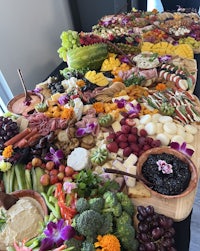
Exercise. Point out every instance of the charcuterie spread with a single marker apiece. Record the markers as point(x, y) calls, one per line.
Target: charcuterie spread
point(127, 88)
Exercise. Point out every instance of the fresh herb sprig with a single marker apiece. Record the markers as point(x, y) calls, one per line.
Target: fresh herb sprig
point(90, 184)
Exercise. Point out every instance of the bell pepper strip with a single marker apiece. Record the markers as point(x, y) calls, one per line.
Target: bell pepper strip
point(67, 212)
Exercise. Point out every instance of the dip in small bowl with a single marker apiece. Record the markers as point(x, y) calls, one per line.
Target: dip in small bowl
point(23, 219)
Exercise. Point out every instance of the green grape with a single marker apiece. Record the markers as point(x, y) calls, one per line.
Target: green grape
point(69, 40)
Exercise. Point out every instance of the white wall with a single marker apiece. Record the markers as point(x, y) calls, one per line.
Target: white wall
point(29, 39)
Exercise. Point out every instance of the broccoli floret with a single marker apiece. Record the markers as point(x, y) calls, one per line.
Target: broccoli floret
point(75, 244)
point(82, 205)
point(126, 235)
point(124, 218)
point(88, 223)
point(88, 246)
point(110, 199)
point(116, 210)
point(107, 226)
point(125, 201)
point(96, 204)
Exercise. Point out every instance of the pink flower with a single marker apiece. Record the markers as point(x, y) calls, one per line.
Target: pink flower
point(69, 186)
point(164, 167)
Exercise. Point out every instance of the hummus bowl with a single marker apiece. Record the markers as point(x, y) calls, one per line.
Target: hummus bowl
point(23, 219)
point(34, 195)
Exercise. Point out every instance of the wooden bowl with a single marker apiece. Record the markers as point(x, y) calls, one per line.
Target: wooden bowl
point(35, 195)
point(17, 105)
point(159, 150)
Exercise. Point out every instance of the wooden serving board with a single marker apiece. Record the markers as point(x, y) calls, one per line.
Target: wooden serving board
point(176, 208)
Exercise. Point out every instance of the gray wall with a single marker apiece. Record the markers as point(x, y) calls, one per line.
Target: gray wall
point(29, 39)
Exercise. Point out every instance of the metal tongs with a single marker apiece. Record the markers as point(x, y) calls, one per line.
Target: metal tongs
point(27, 95)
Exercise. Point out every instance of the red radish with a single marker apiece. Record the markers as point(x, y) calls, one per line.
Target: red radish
point(61, 168)
point(36, 162)
point(112, 147)
point(45, 179)
point(132, 138)
point(61, 176)
point(122, 138)
point(127, 151)
point(53, 172)
point(53, 179)
point(69, 171)
point(126, 129)
point(50, 165)
point(123, 145)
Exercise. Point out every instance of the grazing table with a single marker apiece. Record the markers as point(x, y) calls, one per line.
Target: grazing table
point(184, 208)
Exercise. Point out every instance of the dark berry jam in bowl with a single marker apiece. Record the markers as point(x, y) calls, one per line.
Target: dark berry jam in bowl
point(172, 173)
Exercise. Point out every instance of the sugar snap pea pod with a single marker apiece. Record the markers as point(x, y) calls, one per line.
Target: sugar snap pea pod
point(54, 208)
point(51, 190)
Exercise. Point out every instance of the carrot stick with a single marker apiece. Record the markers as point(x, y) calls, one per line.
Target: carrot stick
point(17, 137)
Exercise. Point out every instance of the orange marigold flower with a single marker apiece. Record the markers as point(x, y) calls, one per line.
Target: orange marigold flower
point(99, 107)
point(67, 113)
point(8, 151)
point(108, 242)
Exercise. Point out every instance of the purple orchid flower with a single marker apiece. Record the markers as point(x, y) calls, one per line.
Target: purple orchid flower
point(55, 156)
point(63, 100)
point(182, 148)
point(164, 167)
point(85, 130)
point(125, 20)
point(37, 90)
point(165, 58)
point(133, 109)
point(56, 233)
point(120, 102)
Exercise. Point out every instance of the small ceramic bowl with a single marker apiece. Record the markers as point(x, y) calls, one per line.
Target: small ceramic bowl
point(35, 195)
point(18, 106)
point(159, 150)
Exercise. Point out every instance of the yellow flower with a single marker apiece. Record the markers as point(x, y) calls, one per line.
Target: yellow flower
point(7, 152)
point(108, 242)
point(5, 166)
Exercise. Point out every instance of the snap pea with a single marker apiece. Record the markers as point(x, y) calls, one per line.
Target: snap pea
point(53, 207)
